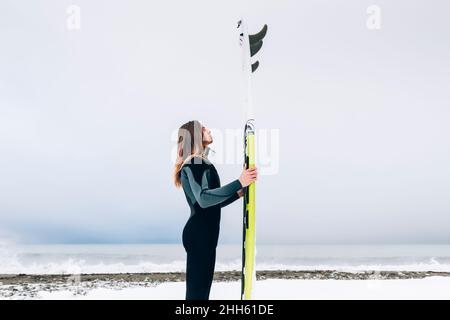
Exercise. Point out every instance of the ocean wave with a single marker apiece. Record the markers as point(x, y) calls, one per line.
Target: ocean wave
point(147, 260)
point(72, 266)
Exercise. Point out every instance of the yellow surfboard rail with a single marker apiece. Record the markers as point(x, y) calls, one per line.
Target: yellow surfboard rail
point(249, 224)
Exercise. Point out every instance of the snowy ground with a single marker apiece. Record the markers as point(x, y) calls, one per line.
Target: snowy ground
point(428, 288)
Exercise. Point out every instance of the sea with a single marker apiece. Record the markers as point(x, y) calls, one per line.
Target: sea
point(144, 258)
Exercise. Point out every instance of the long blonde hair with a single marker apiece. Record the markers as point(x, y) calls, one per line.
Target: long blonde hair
point(190, 144)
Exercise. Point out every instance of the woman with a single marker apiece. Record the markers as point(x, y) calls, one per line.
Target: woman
point(205, 197)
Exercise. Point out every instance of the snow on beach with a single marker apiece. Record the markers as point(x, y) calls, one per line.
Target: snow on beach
point(428, 288)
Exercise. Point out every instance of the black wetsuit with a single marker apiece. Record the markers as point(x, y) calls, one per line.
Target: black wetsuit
point(201, 185)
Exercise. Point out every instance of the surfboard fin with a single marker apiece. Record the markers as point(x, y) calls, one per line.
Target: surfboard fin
point(255, 66)
point(253, 38)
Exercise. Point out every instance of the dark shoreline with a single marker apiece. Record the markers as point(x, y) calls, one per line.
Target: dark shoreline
point(221, 276)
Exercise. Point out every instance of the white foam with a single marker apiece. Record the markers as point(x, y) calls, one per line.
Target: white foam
point(72, 266)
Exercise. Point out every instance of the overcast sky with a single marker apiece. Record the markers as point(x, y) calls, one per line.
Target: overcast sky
point(87, 118)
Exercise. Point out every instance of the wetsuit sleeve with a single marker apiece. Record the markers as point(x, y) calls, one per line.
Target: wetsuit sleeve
point(207, 197)
point(230, 200)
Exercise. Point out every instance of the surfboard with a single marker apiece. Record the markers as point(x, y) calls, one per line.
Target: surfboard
point(250, 45)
